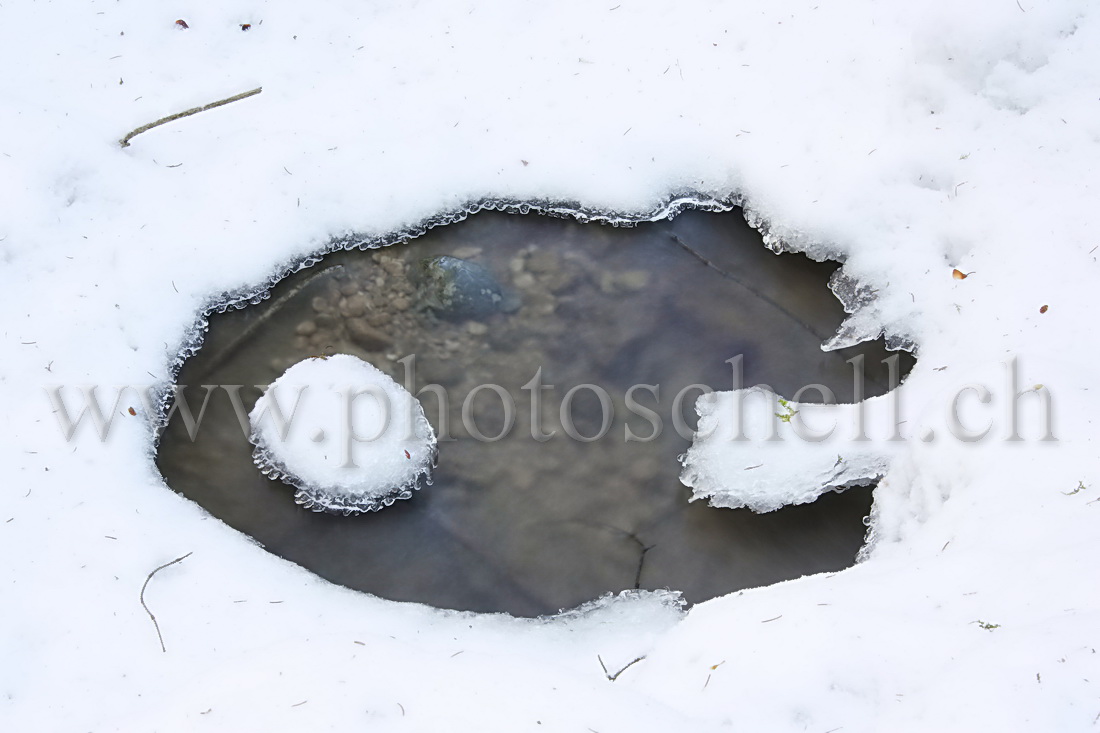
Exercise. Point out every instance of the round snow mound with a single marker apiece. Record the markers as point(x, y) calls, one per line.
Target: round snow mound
point(349, 438)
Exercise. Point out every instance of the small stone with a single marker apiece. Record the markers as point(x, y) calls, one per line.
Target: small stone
point(325, 320)
point(467, 252)
point(457, 289)
point(365, 336)
point(516, 264)
point(349, 288)
point(320, 305)
point(400, 304)
point(477, 328)
point(354, 306)
point(524, 281)
point(542, 262)
point(560, 281)
point(306, 328)
point(624, 282)
point(633, 280)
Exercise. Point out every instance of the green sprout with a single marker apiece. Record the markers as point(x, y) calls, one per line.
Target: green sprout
point(789, 411)
point(1080, 487)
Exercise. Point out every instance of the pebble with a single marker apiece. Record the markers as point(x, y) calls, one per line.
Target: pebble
point(365, 336)
point(306, 328)
point(626, 282)
point(477, 328)
point(466, 253)
point(633, 280)
point(542, 262)
point(354, 306)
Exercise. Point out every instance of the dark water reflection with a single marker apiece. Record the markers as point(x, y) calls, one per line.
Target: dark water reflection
point(518, 525)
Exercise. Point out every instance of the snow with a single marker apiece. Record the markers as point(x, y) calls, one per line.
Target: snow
point(352, 441)
point(906, 140)
point(751, 450)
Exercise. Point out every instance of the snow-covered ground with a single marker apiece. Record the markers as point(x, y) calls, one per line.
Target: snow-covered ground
point(907, 139)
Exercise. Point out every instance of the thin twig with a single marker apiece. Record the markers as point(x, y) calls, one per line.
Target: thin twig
point(125, 142)
point(141, 596)
point(615, 676)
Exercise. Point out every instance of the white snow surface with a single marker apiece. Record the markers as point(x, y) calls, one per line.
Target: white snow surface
point(751, 450)
point(906, 139)
point(344, 433)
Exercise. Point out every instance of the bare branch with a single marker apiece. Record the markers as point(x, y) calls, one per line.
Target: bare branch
point(141, 596)
point(125, 142)
point(613, 677)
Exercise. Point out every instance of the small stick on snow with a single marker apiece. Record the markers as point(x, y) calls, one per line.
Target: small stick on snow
point(613, 677)
point(141, 596)
point(125, 142)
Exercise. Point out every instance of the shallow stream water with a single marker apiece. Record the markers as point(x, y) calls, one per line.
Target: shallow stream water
point(519, 525)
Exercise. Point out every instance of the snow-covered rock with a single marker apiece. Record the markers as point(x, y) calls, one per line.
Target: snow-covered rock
point(342, 432)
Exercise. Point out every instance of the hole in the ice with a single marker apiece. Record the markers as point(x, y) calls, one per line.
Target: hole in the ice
point(519, 525)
